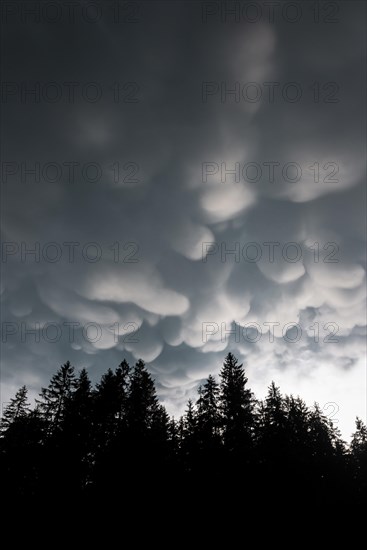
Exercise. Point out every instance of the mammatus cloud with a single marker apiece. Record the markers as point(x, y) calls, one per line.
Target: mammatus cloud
point(218, 222)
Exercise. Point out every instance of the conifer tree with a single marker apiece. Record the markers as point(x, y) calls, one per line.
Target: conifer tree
point(190, 420)
point(93, 443)
point(142, 402)
point(55, 397)
point(208, 425)
point(17, 409)
point(359, 457)
point(236, 403)
point(209, 419)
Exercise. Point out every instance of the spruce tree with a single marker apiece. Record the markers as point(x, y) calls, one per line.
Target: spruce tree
point(209, 419)
point(55, 397)
point(359, 457)
point(207, 431)
point(18, 409)
point(190, 420)
point(236, 404)
point(272, 443)
point(20, 449)
point(142, 401)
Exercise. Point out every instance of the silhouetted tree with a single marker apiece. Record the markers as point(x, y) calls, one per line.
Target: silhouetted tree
point(108, 404)
point(190, 437)
point(18, 409)
point(110, 424)
point(272, 439)
point(142, 403)
point(20, 448)
point(208, 425)
point(359, 439)
point(76, 439)
point(359, 457)
point(53, 400)
point(236, 405)
point(118, 440)
point(208, 412)
point(190, 420)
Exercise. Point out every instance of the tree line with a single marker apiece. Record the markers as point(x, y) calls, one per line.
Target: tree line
point(116, 438)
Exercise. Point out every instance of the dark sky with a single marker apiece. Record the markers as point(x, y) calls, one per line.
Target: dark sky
point(167, 134)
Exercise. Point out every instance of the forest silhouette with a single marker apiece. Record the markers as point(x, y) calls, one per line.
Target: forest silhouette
point(116, 438)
